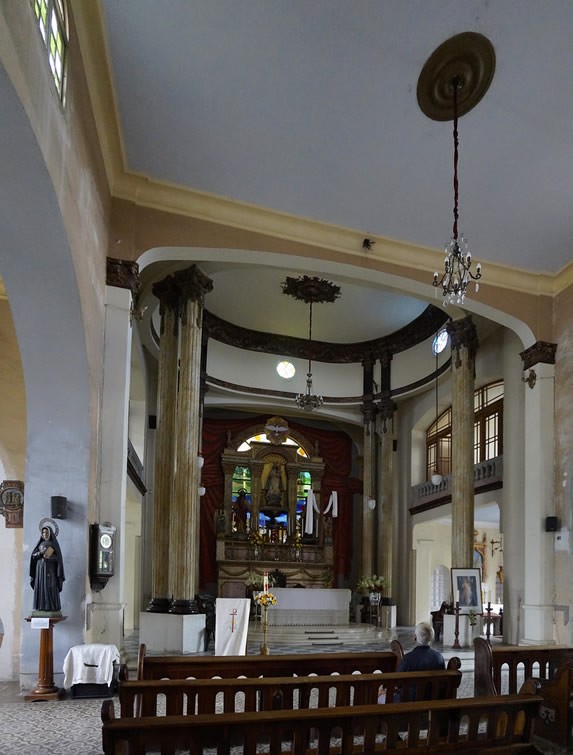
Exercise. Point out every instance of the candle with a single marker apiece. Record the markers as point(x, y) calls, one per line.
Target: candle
point(265, 581)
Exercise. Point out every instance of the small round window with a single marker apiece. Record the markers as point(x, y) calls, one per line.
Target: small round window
point(286, 369)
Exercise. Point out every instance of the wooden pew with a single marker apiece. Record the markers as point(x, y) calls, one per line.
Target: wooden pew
point(198, 696)
point(548, 665)
point(499, 724)
point(233, 666)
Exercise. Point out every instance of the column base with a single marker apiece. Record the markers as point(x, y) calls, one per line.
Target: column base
point(168, 633)
point(183, 607)
point(159, 605)
point(538, 625)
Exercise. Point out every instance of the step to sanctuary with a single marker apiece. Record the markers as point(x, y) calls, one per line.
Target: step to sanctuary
point(349, 634)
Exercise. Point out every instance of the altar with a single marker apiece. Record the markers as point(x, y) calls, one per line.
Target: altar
point(310, 606)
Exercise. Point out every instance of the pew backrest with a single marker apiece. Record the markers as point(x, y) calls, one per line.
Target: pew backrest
point(467, 724)
point(233, 666)
point(198, 696)
point(516, 663)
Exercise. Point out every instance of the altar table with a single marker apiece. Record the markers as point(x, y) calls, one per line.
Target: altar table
point(309, 606)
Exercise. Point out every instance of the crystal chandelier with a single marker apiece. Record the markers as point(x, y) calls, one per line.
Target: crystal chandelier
point(312, 291)
point(457, 263)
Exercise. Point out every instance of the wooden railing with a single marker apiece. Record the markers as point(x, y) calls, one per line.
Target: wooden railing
point(488, 475)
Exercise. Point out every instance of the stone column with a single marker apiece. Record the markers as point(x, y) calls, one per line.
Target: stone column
point(168, 294)
point(464, 342)
point(539, 491)
point(385, 502)
point(184, 522)
point(256, 487)
point(292, 477)
point(368, 472)
point(385, 505)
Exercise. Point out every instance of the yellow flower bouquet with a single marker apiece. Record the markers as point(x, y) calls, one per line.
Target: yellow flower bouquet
point(265, 599)
point(373, 583)
point(255, 537)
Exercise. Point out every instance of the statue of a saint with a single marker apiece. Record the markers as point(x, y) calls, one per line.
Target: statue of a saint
point(47, 572)
point(273, 493)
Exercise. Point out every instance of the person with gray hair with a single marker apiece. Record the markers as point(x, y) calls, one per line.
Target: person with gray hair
point(422, 657)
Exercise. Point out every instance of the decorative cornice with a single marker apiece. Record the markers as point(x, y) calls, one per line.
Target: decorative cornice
point(410, 335)
point(541, 352)
point(122, 274)
point(463, 333)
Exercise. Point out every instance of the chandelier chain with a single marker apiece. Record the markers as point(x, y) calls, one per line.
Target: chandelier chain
point(456, 84)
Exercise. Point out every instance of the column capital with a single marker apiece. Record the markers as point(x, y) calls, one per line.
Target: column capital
point(386, 409)
point(167, 292)
point(541, 352)
point(122, 274)
point(463, 333)
point(193, 284)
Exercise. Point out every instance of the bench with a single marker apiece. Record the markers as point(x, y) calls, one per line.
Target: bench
point(499, 724)
point(548, 665)
point(198, 696)
point(233, 666)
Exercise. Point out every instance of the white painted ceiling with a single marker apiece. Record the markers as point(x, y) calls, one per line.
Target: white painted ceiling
point(310, 108)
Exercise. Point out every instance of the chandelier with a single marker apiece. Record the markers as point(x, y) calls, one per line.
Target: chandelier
point(312, 291)
point(453, 80)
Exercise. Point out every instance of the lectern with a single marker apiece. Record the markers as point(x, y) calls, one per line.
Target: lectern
point(46, 690)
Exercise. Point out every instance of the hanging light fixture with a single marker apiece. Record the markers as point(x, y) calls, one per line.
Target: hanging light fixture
point(458, 260)
point(312, 291)
point(453, 80)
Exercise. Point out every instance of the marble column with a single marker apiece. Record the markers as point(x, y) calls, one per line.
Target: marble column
point(539, 388)
point(368, 473)
point(184, 522)
point(385, 505)
point(385, 498)
point(168, 294)
point(464, 341)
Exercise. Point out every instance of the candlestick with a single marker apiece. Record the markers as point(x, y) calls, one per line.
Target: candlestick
point(265, 581)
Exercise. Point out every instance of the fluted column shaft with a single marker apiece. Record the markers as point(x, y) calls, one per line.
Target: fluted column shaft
point(184, 522)
point(464, 342)
point(168, 296)
point(385, 510)
point(368, 471)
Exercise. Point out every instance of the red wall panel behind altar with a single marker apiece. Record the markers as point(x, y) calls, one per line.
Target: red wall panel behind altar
point(335, 448)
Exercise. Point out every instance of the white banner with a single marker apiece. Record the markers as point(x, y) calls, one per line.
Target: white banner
point(231, 625)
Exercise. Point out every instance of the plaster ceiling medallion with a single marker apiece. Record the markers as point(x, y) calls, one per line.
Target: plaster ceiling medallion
point(469, 57)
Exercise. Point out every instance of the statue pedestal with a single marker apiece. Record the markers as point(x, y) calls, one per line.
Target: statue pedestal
point(46, 690)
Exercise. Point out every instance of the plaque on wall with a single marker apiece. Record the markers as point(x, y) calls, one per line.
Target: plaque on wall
point(12, 503)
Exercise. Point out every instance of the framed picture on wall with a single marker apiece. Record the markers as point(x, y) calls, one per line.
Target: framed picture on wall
point(466, 590)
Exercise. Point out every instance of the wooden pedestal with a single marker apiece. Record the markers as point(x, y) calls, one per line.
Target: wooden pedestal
point(46, 690)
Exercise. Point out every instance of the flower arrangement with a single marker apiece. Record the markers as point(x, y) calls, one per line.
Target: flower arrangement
point(265, 599)
point(255, 537)
point(373, 583)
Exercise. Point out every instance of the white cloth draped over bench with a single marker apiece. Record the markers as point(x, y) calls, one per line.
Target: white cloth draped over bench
point(309, 606)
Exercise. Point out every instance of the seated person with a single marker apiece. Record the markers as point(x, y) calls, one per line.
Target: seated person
point(422, 657)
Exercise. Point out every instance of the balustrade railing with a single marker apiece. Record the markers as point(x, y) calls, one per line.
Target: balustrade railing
point(488, 475)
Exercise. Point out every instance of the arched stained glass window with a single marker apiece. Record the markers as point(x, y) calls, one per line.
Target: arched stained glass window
point(51, 16)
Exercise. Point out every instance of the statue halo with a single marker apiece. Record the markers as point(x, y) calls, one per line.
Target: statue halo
point(54, 524)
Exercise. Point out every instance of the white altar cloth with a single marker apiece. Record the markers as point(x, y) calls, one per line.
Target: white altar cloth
point(311, 606)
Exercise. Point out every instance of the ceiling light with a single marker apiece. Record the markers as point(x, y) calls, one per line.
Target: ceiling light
point(312, 291)
point(453, 80)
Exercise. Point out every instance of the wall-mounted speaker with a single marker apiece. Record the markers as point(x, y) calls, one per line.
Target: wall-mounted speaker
point(551, 524)
point(59, 507)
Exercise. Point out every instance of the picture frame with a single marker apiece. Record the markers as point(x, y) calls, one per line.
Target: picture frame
point(466, 590)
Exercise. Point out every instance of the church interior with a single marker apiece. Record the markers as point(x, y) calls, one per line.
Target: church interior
point(232, 345)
